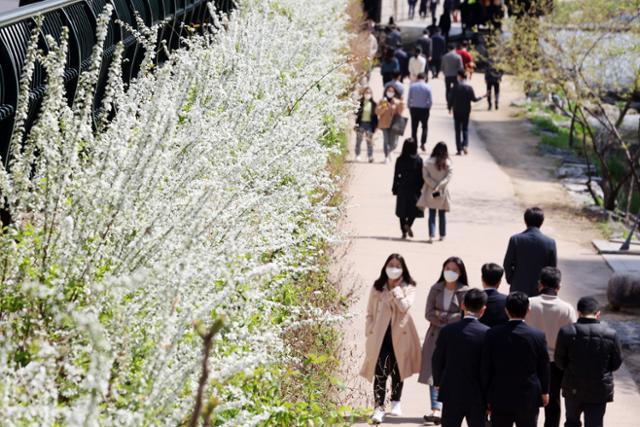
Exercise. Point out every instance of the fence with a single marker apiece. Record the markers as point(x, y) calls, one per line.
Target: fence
point(80, 16)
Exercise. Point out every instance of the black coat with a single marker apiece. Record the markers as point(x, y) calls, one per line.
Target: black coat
point(528, 253)
point(495, 313)
point(456, 363)
point(407, 185)
point(460, 98)
point(588, 352)
point(515, 367)
point(438, 47)
point(374, 117)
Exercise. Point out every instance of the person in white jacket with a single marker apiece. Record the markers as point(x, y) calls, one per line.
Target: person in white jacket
point(417, 64)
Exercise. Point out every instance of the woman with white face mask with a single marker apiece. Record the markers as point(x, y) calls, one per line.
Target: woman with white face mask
point(390, 105)
point(443, 307)
point(392, 343)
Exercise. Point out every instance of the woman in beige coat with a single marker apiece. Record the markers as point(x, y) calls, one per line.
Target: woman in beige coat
point(436, 173)
point(444, 304)
point(392, 343)
point(390, 105)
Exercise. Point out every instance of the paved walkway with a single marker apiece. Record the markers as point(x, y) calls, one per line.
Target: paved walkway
point(484, 214)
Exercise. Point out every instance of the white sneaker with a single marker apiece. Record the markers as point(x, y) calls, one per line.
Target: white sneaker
point(386, 160)
point(358, 158)
point(396, 410)
point(378, 415)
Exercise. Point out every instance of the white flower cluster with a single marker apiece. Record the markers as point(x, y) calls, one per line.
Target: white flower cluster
point(203, 194)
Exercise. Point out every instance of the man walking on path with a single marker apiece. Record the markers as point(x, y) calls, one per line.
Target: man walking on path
point(451, 64)
point(549, 313)
point(528, 253)
point(495, 313)
point(515, 368)
point(420, 101)
point(459, 100)
point(396, 82)
point(417, 64)
point(424, 43)
point(438, 49)
point(588, 352)
point(456, 365)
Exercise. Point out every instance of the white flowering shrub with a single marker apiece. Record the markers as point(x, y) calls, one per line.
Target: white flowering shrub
point(202, 198)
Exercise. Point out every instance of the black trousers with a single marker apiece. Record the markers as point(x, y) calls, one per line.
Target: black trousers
point(406, 223)
point(552, 410)
point(461, 127)
point(496, 90)
point(520, 419)
point(449, 83)
point(387, 365)
point(419, 116)
point(434, 65)
point(593, 413)
point(453, 414)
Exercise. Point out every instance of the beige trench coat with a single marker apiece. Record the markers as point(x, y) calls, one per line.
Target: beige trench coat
point(438, 318)
point(435, 180)
point(392, 306)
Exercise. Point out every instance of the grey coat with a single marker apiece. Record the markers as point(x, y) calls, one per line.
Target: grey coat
point(451, 64)
point(438, 317)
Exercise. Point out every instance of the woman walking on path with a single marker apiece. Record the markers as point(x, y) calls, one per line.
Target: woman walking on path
point(444, 304)
point(389, 107)
point(392, 344)
point(366, 123)
point(437, 172)
point(407, 182)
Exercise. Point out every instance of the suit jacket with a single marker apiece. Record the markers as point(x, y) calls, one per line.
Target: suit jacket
point(456, 362)
point(515, 367)
point(495, 313)
point(460, 98)
point(527, 254)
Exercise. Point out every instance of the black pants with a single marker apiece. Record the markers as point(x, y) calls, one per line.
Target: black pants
point(434, 64)
point(449, 83)
point(406, 223)
point(419, 116)
point(593, 413)
point(521, 419)
point(552, 410)
point(453, 414)
point(387, 365)
point(461, 126)
point(496, 90)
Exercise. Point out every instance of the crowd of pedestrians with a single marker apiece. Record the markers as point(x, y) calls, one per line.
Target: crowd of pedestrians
point(490, 358)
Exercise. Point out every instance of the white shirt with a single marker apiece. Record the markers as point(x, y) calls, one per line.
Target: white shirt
point(417, 66)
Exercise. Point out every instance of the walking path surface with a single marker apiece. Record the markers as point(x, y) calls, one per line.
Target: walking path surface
point(487, 209)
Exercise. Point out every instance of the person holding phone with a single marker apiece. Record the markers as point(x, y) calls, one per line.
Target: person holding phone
point(437, 173)
point(392, 345)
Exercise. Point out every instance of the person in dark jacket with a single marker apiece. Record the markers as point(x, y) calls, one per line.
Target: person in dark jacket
point(456, 365)
point(493, 77)
point(389, 66)
point(407, 184)
point(459, 102)
point(528, 253)
point(366, 123)
point(515, 368)
point(438, 49)
point(588, 352)
point(423, 9)
point(445, 23)
point(495, 313)
point(403, 60)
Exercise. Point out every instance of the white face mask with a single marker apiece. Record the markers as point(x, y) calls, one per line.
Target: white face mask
point(367, 96)
point(450, 276)
point(390, 95)
point(393, 273)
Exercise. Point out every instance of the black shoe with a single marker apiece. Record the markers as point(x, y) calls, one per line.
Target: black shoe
point(496, 105)
point(404, 235)
point(422, 147)
point(410, 232)
point(459, 153)
point(489, 108)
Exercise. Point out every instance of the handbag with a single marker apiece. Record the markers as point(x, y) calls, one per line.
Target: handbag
point(399, 124)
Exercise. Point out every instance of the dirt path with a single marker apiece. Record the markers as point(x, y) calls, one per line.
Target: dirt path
point(489, 196)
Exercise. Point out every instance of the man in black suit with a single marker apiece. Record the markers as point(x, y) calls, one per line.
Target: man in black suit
point(456, 365)
point(528, 253)
point(495, 314)
point(459, 101)
point(515, 368)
